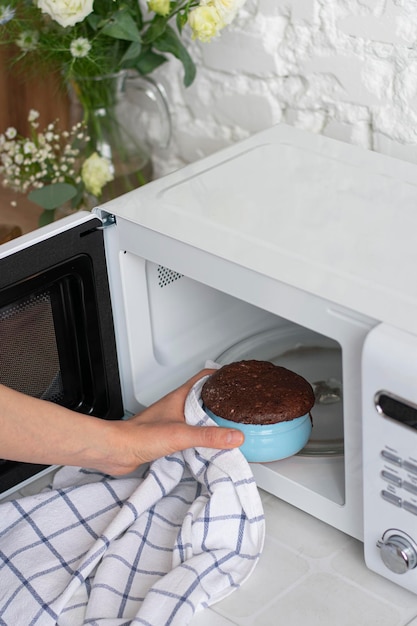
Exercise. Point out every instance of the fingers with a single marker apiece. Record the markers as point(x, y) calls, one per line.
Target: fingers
point(171, 406)
point(142, 443)
point(187, 436)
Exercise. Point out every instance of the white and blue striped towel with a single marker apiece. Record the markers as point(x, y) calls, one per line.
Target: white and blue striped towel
point(152, 548)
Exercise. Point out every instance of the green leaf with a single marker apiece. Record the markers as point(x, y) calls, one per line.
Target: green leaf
point(50, 197)
point(122, 26)
point(157, 28)
point(148, 62)
point(181, 20)
point(79, 195)
point(170, 42)
point(132, 52)
point(47, 217)
point(93, 21)
point(103, 7)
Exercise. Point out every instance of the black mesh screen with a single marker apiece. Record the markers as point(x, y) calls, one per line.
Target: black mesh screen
point(29, 360)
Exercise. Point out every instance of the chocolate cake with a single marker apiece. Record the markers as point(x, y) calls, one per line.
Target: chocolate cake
point(257, 392)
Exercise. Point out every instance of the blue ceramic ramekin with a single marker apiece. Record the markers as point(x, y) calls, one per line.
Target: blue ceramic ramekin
point(270, 442)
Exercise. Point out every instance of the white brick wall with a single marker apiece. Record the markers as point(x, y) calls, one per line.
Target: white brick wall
point(344, 68)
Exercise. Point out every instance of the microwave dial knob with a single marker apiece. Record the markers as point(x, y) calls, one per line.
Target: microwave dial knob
point(398, 553)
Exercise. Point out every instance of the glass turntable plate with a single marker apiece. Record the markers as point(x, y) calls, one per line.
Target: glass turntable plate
point(319, 360)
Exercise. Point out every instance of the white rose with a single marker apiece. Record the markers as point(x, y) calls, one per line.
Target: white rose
point(161, 7)
point(66, 12)
point(96, 172)
point(205, 22)
point(227, 9)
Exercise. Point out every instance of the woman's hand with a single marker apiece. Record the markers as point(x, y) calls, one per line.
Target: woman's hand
point(37, 431)
point(161, 429)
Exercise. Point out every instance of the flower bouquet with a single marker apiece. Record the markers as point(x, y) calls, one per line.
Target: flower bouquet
point(84, 38)
point(100, 48)
point(48, 167)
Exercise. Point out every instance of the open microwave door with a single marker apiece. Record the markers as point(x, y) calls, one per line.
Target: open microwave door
point(56, 325)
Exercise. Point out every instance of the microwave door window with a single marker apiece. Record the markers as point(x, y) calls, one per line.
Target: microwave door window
point(29, 360)
point(51, 344)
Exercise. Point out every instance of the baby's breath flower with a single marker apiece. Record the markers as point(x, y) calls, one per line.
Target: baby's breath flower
point(80, 47)
point(11, 132)
point(33, 115)
point(29, 147)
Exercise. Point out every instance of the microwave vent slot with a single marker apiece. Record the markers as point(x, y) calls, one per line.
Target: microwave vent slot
point(167, 276)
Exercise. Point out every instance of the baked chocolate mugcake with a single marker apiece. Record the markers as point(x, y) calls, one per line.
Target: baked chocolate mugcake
point(257, 392)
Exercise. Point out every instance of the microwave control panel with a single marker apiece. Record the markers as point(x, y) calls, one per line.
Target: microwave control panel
point(389, 418)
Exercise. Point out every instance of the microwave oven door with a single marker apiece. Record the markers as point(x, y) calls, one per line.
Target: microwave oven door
point(56, 325)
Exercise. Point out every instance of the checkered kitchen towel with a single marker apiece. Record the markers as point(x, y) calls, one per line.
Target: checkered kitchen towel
point(151, 548)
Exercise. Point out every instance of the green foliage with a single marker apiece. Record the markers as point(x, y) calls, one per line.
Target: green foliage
point(170, 42)
point(119, 35)
point(52, 196)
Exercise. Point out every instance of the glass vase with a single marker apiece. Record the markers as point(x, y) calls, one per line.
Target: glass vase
point(127, 115)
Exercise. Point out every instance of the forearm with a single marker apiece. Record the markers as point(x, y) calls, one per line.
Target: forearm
point(42, 432)
point(37, 431)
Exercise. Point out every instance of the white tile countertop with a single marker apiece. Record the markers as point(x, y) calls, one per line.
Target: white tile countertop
point(311, 574)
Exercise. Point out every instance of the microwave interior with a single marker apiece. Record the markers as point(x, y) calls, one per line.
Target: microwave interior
point(69, 337)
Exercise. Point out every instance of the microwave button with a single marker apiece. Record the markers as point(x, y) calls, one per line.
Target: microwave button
point(410, 487)
point(392, 458)
point(391, 478)
point(410, 507)
point(410, 467)
point(391, 497)
point(398, 553)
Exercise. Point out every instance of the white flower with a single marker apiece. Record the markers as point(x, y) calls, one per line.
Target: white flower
point(33, 115)
point(29, 147)
point(159, 6)
point(11, 132)
point(227, 9)
point(80, 47)
point(205, 22)
point(28, 40)
point(66, 12)
point(6, 14)
point(6, 160)
point(96, 172)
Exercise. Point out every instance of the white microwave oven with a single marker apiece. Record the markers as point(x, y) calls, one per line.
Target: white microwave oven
point(288, 247)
